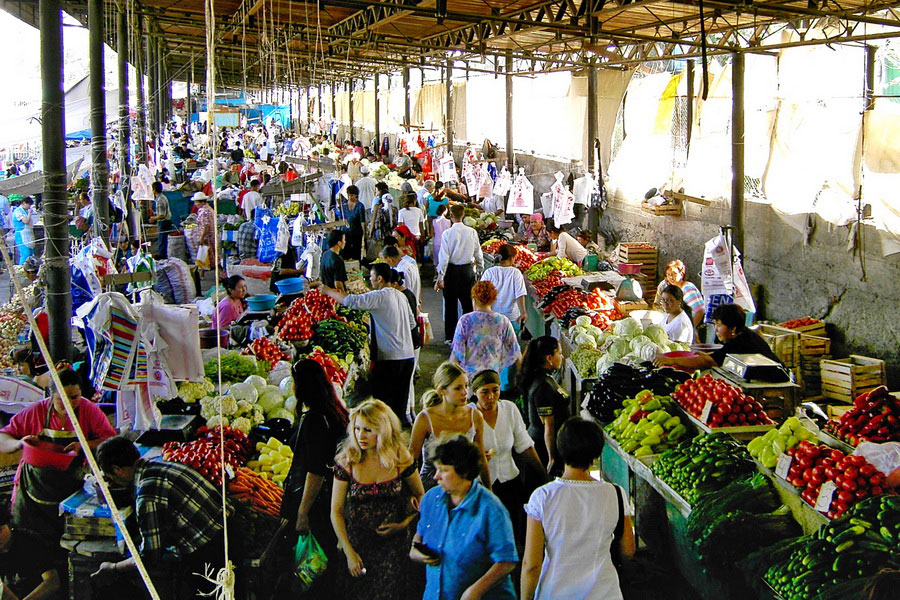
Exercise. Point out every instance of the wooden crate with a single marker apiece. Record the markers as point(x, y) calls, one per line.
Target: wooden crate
point(663, 210)
point(637, 253)
point(846, 378)
point(785, 343)
point(817, 329)
point(811, 373)
point(814, 345)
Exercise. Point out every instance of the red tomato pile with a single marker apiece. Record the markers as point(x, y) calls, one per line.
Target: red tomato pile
point(334, 371)
point(804, 322)
point(597, 300)
point(543, 286)
point(298, 319)
point(564, 301)
point(813, 465)
point(875, 417)
point(493, 246)
point(730, 406)
point(202, 454)
point(525, 258)
point(265, 349)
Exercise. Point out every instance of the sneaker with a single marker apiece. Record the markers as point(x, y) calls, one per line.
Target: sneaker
point(448, 342)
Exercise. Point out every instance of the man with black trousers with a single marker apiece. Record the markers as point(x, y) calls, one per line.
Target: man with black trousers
point(460, 248)
point(393, 353)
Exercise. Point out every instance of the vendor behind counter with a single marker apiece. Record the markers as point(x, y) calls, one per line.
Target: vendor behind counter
point(29, 566)
point(732, 333)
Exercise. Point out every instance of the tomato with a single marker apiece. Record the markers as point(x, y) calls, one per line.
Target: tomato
point(877, 479)
point(805, 461)
point(844, 497)
point(851, 472)
point(861, 494)
point(857, 460)
point(829, 473)
point(875, 490)
point(849, 485)
point(827, 462)
point(867, 470)
point(836, 455)
point(813, 451)
point(807, 474)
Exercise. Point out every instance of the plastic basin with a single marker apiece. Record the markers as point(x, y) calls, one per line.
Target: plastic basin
point(261, 302)
point(46, 454)
point(291, 285)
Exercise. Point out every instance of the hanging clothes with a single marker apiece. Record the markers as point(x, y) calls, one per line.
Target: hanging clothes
point(563, 202)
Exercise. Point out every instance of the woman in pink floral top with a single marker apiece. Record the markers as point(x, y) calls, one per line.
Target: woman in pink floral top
point(484, 339)
point(206, 223)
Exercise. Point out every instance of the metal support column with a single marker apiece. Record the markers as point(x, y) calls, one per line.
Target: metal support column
point(319, 98)
point(124, 125)
point(737, 150)
point(448, 75)
point(99, 164)
point(406, 108)
point(510, 153)
point(690, 103)
point(56, 205)
point(187, 95)
point(593, 122)
point(152, 87)
point(140, 64)
point(377, 114)
point(350, 108)
point(871, 56)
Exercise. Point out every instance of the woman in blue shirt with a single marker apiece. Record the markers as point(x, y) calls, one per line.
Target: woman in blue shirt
point(464, 535)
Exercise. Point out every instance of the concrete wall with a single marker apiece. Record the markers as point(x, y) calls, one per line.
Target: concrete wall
point(822, 280)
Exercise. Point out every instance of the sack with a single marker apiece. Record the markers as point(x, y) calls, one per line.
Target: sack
point(202, 259)
point(310, 561)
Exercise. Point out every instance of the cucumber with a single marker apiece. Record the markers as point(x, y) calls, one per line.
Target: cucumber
point(847, 534)
point(845, 546)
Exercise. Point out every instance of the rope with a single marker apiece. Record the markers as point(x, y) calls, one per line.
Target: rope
point(79, 433)
point(225, 578)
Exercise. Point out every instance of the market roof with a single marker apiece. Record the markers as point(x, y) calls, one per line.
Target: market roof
point(289, 43)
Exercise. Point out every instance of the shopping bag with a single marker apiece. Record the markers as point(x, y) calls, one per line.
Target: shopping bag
point(309, 560)
point(202, 260)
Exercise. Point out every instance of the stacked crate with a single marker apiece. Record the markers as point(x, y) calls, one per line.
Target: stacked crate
point(647, 255)
point(785, 343)
point(846, 378)
point(815, 346)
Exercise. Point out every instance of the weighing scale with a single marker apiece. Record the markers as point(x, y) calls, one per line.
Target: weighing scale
point(753, 367)
point(251, 316)
point(172, 428)
point(630, 290)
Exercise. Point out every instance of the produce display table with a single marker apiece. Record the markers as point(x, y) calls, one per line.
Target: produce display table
point(536, 322)
point(781, 397)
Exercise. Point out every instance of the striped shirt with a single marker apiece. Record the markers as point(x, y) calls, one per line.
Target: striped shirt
point(176, 508)
point(692, 296)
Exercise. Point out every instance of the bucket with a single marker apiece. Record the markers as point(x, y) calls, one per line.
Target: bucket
point(590, 262)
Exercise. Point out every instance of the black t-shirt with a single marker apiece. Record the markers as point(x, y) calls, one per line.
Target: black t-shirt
point(237, 155)
point(746, 342)
point(546, 399)
point(288, 260)
point(26, 559)
point(315, 445)
point(333, 268)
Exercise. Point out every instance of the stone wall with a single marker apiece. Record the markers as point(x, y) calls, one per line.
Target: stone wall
point(821, 280)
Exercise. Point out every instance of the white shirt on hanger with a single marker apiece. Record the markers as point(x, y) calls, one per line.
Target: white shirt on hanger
point(582, 188)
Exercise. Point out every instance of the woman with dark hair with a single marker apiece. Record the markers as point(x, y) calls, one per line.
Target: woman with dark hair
point(510, 284)
point(546, 402)
point(307, 488)
point(677, 323)
point(464, 535)
point(233, 305)
point(732, 333)
point(571, 525)
point(675, 271)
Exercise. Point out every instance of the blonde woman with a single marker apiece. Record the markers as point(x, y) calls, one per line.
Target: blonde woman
point(375, 497)
point(447, 412)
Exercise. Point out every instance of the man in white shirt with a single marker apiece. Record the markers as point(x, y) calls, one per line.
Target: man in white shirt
point(413, 217)
point(565, 246)
point(460, 248)
point(251, 200)
point(392, 349)
point(366, 185)
point(406, 265)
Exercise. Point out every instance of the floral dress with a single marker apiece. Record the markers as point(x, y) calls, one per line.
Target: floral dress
point(485, 340)
point(386, 559)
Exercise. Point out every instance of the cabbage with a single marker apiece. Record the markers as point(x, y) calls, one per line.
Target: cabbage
point(604, 363)
point(583, 320)
point(471, 222)
point(618, 349)
point(256, 381)
point(657, 334)
point(584, 339)
point(282, 413)
point(286, 387)
point(638, 341)
point(648, 351)
point(274, 389)
point(627, 328)
point(269, 401)
point(290, 403)
point(244, 391)
point(244, 408)
point(281, 370)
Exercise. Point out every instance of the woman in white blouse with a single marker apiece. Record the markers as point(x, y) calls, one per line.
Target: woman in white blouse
point(505, 433)
point(572, 524)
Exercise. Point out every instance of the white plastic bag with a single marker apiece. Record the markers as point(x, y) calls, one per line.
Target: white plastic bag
point(884, 457)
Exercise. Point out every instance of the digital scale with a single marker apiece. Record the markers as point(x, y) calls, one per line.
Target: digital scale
point(251, 316)
point(172, 428)
point(753, 367)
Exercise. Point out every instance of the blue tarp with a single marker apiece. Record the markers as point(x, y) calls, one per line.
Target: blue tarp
point(281, 113)
point(84, 134)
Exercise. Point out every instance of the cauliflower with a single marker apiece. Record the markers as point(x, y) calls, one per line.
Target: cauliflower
point(257, 418)
point(210, 406)
point(190, 391)
point(244, 408)
point(216, 421)
point(242, 424)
